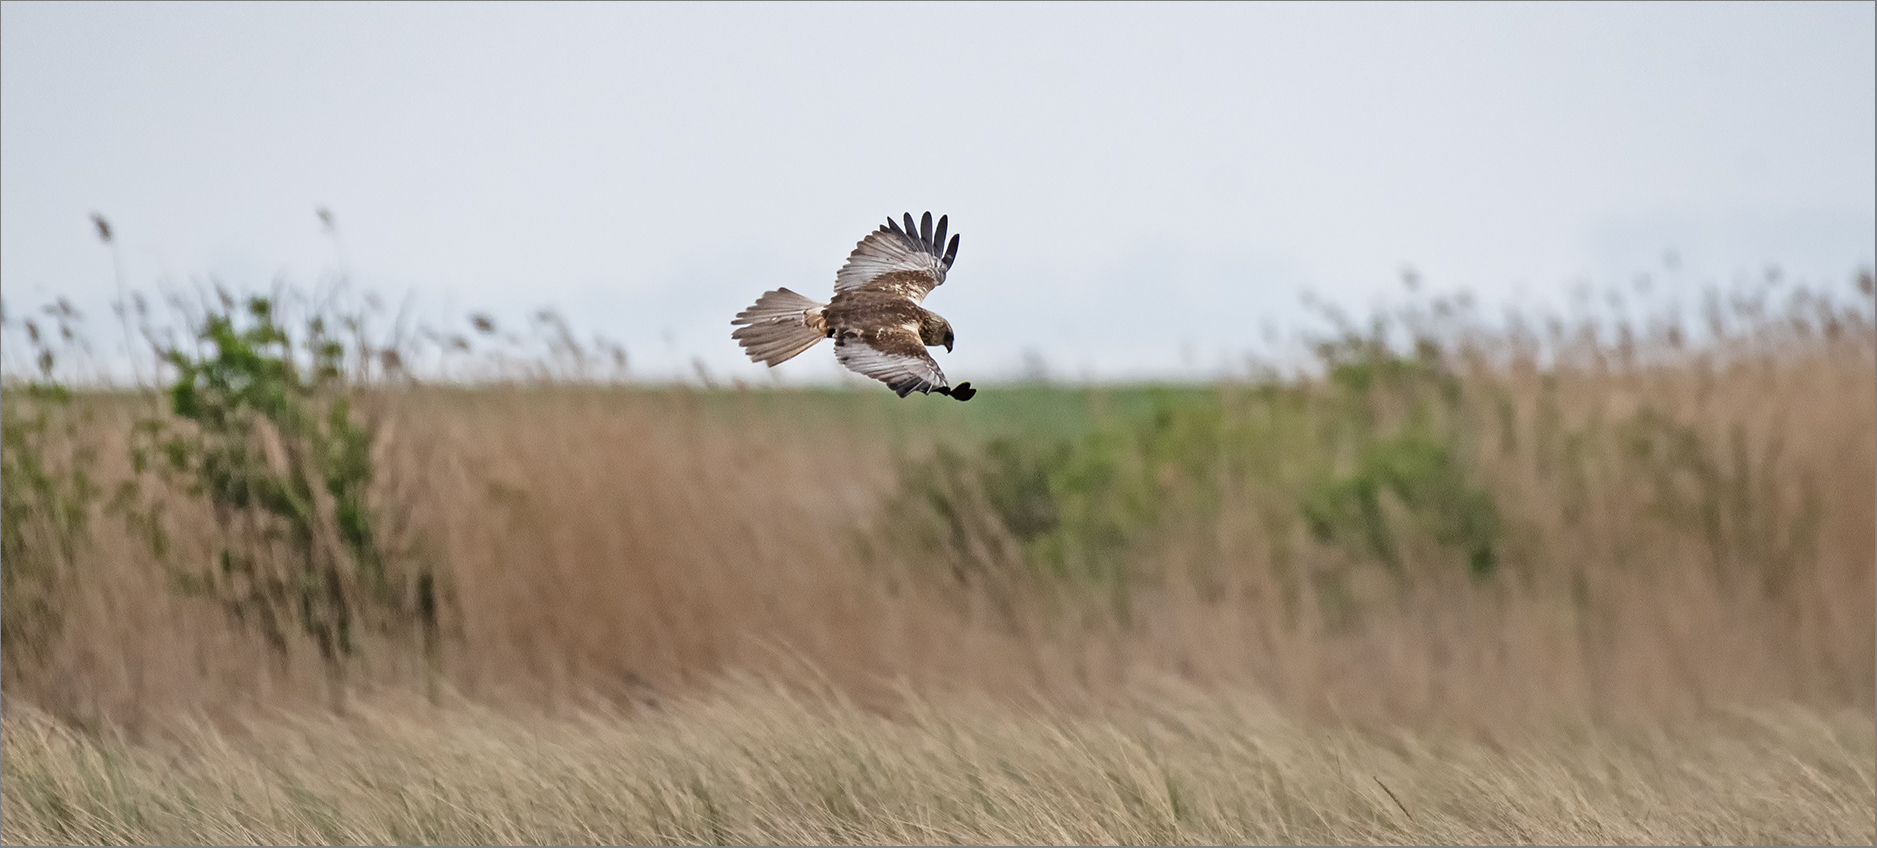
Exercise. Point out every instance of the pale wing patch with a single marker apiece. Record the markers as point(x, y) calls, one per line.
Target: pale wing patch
point(904, 373)
point(920, 249)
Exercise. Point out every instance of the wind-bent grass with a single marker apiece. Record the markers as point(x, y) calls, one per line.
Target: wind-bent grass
point(754, 767)
point(1477, 590)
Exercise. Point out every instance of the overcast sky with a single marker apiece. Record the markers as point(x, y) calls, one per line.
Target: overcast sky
point(1140, 188)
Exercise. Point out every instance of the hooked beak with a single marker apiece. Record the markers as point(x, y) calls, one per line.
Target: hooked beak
point(948, 347)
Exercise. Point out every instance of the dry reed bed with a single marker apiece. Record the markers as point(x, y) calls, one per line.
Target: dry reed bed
point(759, 766)
point(626, 544)
point(637, 545)
point(1668, 652)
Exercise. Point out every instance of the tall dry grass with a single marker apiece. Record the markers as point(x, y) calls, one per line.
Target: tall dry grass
point(1607, 582)
point(629, 545)
point(752, 765)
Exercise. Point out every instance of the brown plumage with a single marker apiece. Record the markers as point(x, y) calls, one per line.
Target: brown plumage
point(879, 327)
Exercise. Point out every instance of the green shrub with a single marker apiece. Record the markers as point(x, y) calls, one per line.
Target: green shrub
point(1377, 450)
point(266, 432)
point(1399, 429)
point(47, 491)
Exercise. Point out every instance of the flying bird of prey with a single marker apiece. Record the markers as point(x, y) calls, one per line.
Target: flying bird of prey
point(877, 322)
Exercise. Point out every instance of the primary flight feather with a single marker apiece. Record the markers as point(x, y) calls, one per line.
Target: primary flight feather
point(876, 318)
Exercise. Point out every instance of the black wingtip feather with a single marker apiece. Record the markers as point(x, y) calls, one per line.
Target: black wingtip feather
point(924, 235)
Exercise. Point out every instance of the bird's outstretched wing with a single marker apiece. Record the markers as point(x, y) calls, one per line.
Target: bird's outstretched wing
point(892, 355)
point(911, 261)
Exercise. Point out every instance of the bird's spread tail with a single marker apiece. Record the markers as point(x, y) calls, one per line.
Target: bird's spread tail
point(779, 325)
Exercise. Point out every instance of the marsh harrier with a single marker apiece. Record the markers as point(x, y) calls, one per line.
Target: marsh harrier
point(877, 322)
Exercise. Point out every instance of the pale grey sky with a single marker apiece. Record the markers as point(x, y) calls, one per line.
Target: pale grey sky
point(1139, 187)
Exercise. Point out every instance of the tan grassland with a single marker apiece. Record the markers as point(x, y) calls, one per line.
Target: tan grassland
point(680, 616)
point(756, 766)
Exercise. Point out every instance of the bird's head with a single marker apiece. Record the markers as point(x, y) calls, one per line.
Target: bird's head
point(935, 330)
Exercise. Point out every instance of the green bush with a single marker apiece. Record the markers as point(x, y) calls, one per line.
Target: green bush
point(47, 491)
point(1375, 451)
point(266, 431)
point(1399, 429)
